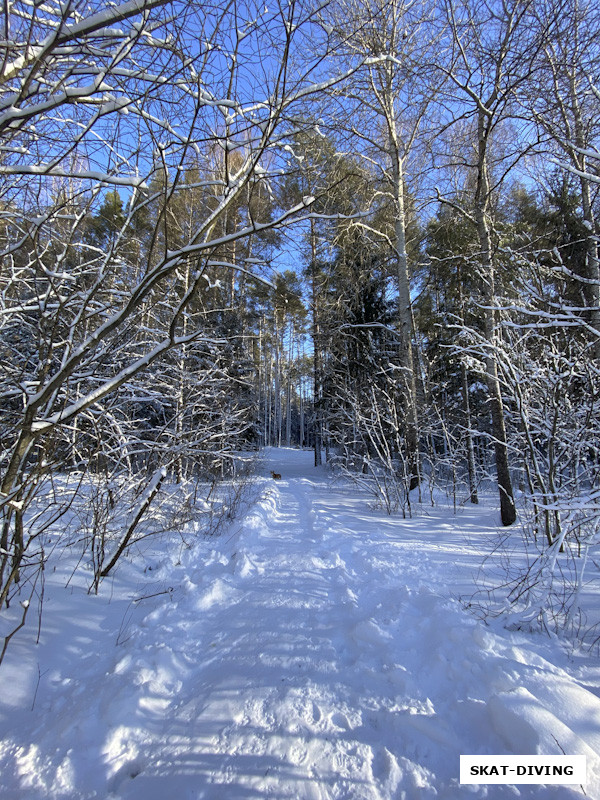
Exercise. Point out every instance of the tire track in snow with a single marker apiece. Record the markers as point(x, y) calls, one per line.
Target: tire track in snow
point(303, 658)
point(262, 712)
point(321, 676)
point(334, 714)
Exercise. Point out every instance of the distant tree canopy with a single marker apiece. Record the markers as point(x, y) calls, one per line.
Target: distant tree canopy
point(367, 228)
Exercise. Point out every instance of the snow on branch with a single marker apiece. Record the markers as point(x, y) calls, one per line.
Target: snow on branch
point(48, 170)
point(96, 24)
point(110, 385)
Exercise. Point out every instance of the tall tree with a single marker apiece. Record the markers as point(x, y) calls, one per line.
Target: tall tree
point(444, 306)
point(567, 111)
point(389, 98)
point(491, 52)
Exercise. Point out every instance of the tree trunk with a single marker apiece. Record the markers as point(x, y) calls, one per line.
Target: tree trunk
point(408, 386)
point(508, 512)
point(469, 436)
point(316, 351)
point(592, 273)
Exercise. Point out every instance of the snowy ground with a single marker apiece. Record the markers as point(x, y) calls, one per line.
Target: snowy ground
point(314, 650)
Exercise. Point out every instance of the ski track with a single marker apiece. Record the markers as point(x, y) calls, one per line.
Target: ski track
point(300, 661)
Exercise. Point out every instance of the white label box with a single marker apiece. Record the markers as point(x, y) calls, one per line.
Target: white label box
point(522, 769)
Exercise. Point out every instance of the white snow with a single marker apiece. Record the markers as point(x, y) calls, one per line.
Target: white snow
point(313, 651)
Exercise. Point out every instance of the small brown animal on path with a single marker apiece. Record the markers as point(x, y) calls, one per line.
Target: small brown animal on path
point(276, 476)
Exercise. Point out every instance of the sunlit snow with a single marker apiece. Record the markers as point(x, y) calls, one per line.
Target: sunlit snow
point(316, 649)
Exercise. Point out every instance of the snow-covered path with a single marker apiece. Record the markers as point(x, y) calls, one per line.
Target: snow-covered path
point(313, 652)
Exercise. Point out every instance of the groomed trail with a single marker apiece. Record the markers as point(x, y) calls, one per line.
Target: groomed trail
point(313, 652)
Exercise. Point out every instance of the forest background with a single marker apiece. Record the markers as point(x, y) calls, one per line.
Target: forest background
point(369, 228)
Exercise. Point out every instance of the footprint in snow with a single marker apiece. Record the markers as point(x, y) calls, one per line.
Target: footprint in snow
point(316, 713)
point(128, 771)
point(385, 769)
point(340, 720)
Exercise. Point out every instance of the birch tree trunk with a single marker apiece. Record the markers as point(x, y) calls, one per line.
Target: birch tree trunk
point(408, 386)
point(392, 105)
